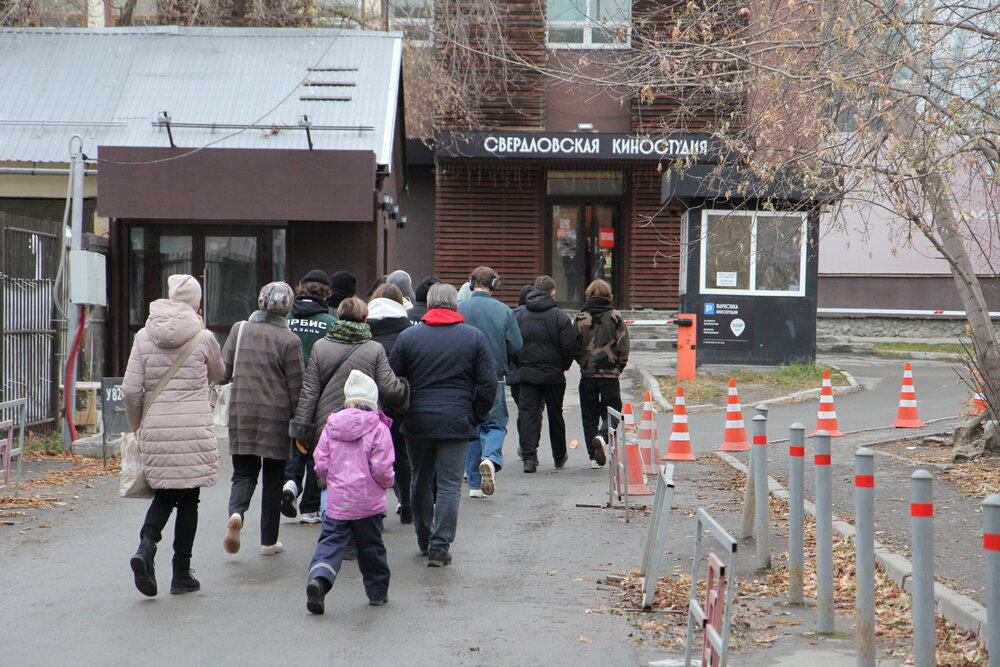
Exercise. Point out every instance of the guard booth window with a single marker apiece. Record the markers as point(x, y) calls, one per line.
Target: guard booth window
point(753, 252)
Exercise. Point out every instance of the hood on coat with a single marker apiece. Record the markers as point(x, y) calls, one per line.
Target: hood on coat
point(522, 296)
point(420, 294)
point(307, 306)
point(352, 424)
point(436, 316)
point(597, 305)
point(382, 308)
point(172, 323)
point(538, 301)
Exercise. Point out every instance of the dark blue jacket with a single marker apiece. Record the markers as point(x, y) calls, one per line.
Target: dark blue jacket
point(452, 378)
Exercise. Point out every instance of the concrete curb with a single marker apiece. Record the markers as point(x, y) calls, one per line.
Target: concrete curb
point(954, 607)
point(650, 384)
point(932, 356)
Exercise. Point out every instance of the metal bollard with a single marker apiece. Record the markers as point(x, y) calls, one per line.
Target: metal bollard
point(824, 533)
point(991, 557)
point(762, 524)
point(796, 511)
point(864, 554)
point(922, 582)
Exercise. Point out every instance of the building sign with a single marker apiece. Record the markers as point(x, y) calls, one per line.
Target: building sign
point(726, 324)
point(575, 145)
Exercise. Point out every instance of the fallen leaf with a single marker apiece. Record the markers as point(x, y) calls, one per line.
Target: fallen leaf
point(586, 640)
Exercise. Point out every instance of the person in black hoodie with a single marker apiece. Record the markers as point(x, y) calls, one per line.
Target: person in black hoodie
point(420, 298)
point(387, 319)
point(550, 344)
point(343, 284)
point(309, 320)
point(513, 378)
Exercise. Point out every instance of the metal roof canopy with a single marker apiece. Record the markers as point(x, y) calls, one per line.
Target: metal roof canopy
point(110, 86)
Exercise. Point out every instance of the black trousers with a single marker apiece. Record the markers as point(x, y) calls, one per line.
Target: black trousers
point(401, 466)
point(185, 525)
point(532, 398)
point(299, 466)
point(596, 396)
point(246, 469)
point(372, 560)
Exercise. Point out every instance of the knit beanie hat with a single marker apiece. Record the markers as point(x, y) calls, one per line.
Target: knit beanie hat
point(184, 288)
point(343, 284)
point(401, 279)
point(360, 388)
point(276, 298)
point(425, 284)
point(316, 276)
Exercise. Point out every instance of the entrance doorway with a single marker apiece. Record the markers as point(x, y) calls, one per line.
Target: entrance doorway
point(231, 263)
point(583, 238)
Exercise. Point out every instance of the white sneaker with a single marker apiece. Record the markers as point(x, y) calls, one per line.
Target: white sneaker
point(288, 494)
point(600, 449)
point(231, 542)
point(476, 493)
point(594, 465)
point(271, 549)
point(311, 517)
point(488, 471)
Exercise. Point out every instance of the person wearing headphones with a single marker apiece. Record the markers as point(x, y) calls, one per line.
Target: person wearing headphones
point(498, 324)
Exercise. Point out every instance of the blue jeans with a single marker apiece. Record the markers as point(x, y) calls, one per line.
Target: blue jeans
point(489, 444)
point(435, 518)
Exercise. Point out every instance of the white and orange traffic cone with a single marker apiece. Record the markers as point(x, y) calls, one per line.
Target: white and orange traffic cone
point(635, 476)
point(735, 438)
point(630, 432)
point(978, 397)
point(679, 447)
point(647, 436)
point(826, 418)
point(907, 416)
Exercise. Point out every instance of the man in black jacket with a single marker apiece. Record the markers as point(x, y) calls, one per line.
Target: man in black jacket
point(550, 344)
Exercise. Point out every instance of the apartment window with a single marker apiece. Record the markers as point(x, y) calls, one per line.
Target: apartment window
point(588, 24)
point(753, 252)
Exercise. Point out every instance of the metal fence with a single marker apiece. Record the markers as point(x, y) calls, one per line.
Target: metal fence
point(29, 336)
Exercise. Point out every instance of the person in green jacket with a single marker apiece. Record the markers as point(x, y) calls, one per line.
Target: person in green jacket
point(309, 320)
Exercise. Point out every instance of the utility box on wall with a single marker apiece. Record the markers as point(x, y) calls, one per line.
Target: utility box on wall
point(87, 278)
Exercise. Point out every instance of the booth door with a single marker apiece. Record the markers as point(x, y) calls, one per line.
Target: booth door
point(583, 237)
point(231, 265)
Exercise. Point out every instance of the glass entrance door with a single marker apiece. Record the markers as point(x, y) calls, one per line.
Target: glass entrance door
point(231, 264)
point(583, 240)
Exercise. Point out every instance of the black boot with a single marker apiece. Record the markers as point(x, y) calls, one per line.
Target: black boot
point(142, 567)
point(183, 582)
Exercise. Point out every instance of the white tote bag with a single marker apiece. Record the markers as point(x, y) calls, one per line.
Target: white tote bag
point(220, 416)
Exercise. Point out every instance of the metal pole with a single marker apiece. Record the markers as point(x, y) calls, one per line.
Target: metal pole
point(864, 554)
point(991, 558)
point(76, 243)
point(796, 511)
point(922, 582)
point(824, 533)
point(762, 523)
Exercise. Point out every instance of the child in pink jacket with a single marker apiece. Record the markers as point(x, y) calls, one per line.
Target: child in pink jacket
point(354, 456)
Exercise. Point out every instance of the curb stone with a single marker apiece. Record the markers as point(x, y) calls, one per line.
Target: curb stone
point(954, 607)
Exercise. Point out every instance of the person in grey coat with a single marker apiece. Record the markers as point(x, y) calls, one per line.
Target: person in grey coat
point(267, 379)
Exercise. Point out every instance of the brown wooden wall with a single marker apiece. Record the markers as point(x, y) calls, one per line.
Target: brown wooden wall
point(508, 95)
point(653, 255)
point(493, 215)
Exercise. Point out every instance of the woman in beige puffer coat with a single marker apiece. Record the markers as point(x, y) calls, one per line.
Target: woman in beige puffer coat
point(179, 451)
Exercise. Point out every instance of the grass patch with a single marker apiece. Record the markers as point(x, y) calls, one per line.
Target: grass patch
point(754, 386)
point(955, 348)
point(49, 445)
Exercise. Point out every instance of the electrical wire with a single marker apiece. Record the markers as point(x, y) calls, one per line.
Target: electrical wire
point(239, 131)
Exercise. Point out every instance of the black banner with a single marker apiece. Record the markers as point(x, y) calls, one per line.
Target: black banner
point(574, 145)
point(726, 322)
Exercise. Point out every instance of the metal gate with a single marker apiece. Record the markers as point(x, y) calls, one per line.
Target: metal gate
point(29, 260)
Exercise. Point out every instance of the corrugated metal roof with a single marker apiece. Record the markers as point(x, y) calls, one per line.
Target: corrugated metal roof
point(108, 85)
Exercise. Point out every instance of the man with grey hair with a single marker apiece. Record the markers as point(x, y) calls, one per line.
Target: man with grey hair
point(452, 386)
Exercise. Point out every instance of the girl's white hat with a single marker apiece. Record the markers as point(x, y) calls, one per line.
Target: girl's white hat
point(360, 388)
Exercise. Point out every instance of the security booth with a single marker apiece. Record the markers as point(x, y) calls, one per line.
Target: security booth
point(749, 264)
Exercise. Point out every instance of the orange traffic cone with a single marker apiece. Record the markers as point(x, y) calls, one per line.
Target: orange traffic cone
point(826, 418)
point(647, 436)
point(735, 439)
point(978, 397)
point(679, 447)
point(907, 417)
point(635, 477)
point(630, 432)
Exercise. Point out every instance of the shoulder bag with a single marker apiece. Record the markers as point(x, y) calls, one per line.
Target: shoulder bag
point(132, 482)
point(223, 392)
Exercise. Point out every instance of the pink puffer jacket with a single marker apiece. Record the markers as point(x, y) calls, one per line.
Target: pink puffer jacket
point(179, 449)
point(355, 457)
